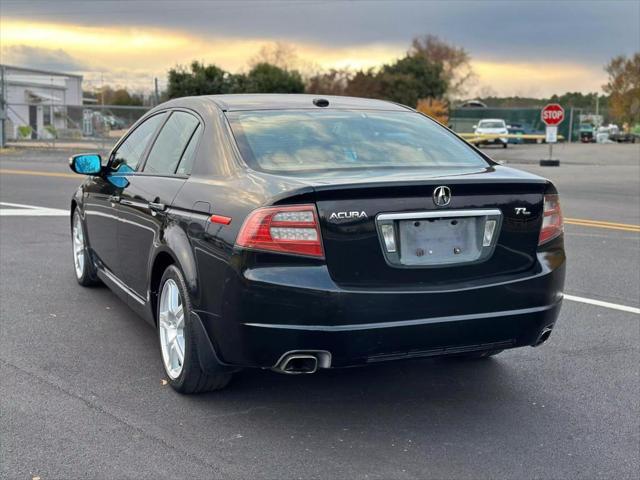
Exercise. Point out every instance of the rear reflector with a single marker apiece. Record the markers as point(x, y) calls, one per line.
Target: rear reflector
point(221, 219)
point(552, 224)
point(287, 229)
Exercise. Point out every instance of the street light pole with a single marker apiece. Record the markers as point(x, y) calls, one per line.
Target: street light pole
point(3, 108)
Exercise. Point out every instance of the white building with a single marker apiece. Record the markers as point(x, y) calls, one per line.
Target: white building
point(40, 103)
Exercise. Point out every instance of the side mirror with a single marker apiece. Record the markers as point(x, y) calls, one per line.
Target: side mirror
point(86, 164)
point(474, 127)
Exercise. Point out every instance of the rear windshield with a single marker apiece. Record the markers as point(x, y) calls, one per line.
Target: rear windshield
point(299, 141)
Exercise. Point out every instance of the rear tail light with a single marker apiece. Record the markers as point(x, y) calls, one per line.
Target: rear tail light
point(286, 229)
point(552, 225)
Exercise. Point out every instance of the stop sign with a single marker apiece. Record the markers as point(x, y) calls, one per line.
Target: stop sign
point(552, 114)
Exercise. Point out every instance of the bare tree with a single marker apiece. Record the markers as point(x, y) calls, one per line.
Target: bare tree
point(280, 54)
point(456, 62)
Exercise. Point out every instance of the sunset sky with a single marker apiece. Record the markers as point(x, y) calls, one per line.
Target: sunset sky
point(518, 47)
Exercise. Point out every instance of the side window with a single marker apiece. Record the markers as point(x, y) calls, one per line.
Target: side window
point(130, 152)
point(170, 143)
point(189, 155)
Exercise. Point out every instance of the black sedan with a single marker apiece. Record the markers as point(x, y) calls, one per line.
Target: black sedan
point(295, 233)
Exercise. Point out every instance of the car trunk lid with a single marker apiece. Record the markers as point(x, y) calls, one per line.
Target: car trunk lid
point(434, 245)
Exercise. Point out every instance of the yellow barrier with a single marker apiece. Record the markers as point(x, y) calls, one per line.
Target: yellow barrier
point(479, 138)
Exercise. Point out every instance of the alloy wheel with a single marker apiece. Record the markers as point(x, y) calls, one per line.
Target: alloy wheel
point(78, 246)
point(171, 325)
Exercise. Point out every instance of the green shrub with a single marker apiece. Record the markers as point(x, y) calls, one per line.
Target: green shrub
point(24, 131)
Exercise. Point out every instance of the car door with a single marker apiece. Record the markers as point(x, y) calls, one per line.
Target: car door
point(148, 195)
point(103, 193)
point(101, 219)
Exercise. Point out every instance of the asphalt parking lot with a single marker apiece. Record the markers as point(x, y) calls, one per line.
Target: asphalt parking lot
point(81, 377)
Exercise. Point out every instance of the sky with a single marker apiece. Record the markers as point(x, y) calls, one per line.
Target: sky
point(525, 48)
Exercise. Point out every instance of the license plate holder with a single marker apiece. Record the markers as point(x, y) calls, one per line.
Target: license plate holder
point(440, 241)
point(439, 238)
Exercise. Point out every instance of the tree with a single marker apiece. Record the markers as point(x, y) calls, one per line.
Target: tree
point(200, 80)
point(280, 54)
point(107, 95)
point(211, 80)
point(436, 109)
point(412, 78)
point(406, 81)
point(456, 62)
point(267, 78)
point(624, 88)
point(333, 82)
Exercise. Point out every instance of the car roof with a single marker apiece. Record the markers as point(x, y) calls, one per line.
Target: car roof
point(492, 120)
point(286, 101)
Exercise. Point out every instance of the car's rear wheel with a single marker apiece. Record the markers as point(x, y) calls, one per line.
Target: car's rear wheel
point(83, 265)
point(178, 338)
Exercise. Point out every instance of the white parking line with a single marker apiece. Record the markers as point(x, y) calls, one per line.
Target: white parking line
point(21, 210)
point(600, 303)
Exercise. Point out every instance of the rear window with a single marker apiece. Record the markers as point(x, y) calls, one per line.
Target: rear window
point(298, 141)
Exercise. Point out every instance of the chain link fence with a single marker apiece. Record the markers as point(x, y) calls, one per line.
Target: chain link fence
point(51, 124)
point(526, 120)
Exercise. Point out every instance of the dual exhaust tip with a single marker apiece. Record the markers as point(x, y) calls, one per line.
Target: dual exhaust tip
point(303, 361)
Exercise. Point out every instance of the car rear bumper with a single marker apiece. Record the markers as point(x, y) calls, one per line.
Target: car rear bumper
point(270, 311)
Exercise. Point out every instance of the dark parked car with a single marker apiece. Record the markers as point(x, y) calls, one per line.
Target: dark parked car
point(294, 233)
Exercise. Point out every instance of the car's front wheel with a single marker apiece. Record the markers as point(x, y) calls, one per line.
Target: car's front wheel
point(179, 338)
point(83, 265)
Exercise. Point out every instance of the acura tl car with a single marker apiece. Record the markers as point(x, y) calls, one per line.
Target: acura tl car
point(295, 233)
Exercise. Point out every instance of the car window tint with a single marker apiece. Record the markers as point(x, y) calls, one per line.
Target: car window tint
point(170, 144)
point(299, 141)
point(186, 162)
point(130, 152)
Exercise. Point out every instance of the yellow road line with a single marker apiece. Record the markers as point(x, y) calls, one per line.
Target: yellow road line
point(601, 222)
point(9, 171)
point(587, 223)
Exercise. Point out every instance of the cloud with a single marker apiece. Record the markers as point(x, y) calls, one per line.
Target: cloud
point(44, 58)
point(589, 31)
point(539, 47)
point(537, 79)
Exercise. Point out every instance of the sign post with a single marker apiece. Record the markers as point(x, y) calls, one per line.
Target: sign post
point(552, 115)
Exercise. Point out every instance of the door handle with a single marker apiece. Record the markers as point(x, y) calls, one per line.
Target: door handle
point(158, 207)
point(114, 198)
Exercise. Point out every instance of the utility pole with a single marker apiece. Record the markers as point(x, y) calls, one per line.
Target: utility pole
point(3, 109)
point(570, 125)
point(155, 81)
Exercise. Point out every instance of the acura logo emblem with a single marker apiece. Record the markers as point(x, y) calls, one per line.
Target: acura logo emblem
point(442, 196)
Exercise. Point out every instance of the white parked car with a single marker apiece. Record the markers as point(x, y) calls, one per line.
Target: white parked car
point(492, 126)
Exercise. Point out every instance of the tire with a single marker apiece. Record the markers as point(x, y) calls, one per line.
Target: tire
point(85, 270)
point(180, 356)
point(504, 145)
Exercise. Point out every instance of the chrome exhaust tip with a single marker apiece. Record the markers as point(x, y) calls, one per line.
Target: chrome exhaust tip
point(544, 336)
point(303, 362)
